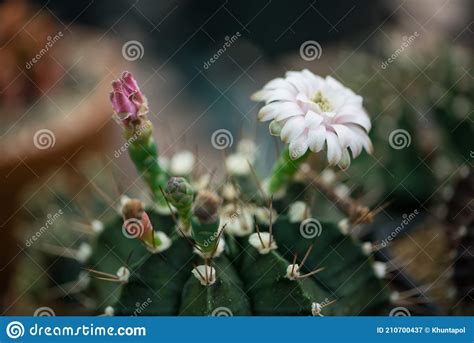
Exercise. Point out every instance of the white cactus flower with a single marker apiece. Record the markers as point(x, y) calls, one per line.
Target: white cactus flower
point(316, 113)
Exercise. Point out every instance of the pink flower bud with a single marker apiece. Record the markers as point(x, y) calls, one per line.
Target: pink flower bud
point(137, 224)
point(127, 99)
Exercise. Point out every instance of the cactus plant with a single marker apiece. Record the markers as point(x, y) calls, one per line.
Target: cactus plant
point(246, 247)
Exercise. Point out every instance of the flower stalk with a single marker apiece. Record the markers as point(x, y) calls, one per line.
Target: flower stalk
point(131, 106)
point(284, 170)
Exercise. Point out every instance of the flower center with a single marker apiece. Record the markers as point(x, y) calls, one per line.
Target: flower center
point(322, 101)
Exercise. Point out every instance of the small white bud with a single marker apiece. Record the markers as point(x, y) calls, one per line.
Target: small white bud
point(218, 252)
point(123, 201)
point(182, 163)
point(328, 176)
point(229, 192)
point(237, 164)
point(298, 212)
point(256, 242)
point(205, 274)
point(97, 226)
point(109, 311)
point(165, 242)
point(394, 296)
point(316, 309)
point(123, 274)
point(380, 269)
point(84, 252)
point(344, 226)
point(342, 190)
point(293, 271)
point(238, 221)
point(367, 248)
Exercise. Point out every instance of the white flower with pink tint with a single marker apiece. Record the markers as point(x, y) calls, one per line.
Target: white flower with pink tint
point(315, 113)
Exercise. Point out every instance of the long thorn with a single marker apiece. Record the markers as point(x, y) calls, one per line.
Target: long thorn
point(169, 206)
point(258, 234)
point(311, 273)
point(197, 269)
point(100, 273)
point(257, 180)
point(271, 224)
point(306, 255)
point(293, 264)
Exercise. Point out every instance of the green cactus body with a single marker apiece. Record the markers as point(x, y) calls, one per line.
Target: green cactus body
point(246, 281)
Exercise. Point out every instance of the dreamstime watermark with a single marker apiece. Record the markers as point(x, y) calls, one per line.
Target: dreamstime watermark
point(44, 139)
point(222, 312)
point(399, 139)
point(222, 139)
point(49, 222)
point(44, 311)
point(310, 228)
point(140, 307)
point(229, 41)
point(310, 50)
point(399, 312)
point(133, 50)
point(406, 219)
point(51, 41)
point(133, 228)
point(407, 41)
point(136, 135)
point(15, 330)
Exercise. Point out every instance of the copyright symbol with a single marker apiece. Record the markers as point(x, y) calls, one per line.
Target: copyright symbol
point(427, 330)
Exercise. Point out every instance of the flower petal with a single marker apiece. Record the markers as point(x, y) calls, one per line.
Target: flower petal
point(298, 147)
point(316, 138)
point(334, 149)
point(345, 135)
point(279, 110)
point(361, 120)
point(313, 120)
point(292, 129)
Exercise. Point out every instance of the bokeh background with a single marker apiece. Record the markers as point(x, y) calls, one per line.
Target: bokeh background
point(410, 60)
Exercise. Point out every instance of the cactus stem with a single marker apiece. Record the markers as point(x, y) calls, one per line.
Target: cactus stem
point(283, 170)
point(356, 213)
point(306, 255)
